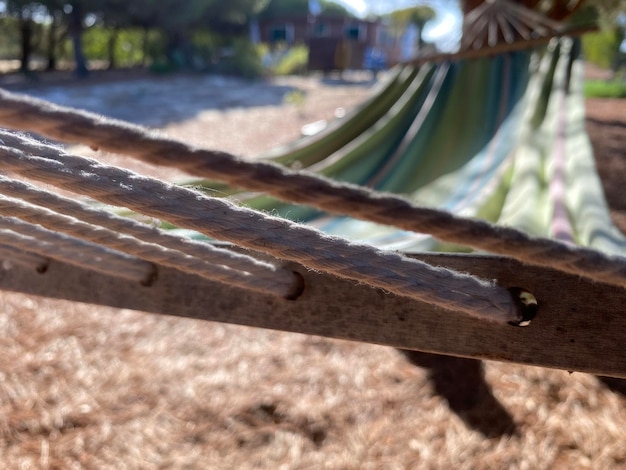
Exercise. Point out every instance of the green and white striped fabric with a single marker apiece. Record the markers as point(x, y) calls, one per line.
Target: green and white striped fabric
point(498, 138)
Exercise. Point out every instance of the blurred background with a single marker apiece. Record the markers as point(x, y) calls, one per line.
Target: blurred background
point(249, 38)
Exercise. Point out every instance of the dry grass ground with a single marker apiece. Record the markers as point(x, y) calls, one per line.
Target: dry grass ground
point(92, 387)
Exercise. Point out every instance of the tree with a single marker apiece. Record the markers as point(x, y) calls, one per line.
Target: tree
point(179, 20)
point(610, 11)
point(115, 12)
point(282, 8)
point(23, 11)
point(418, 16)
point(75, 12)
point(115, 15)
point(605, 47)
point(232, 17)
point(56, 30)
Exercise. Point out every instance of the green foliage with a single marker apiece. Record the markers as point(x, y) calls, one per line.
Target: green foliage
point(176, 20)
point(605, 89)
point(243, 59)
point(334, 9)
point(602, 47)
point(128, 49)
point(293, 61)
point(418, 15)
point(206, 46)
point(95, 43)
point(585, 16)
point(251, 61)
point(9, 38)
point(194, 34)
point(155, 47)
point(248, 59)
point(282, 8)
point(295, 97)
point(608, 10)
point(279, 8)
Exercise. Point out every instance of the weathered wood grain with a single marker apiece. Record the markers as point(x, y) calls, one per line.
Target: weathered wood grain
point(580, 325)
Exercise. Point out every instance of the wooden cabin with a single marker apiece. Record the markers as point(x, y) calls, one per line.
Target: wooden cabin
point(335, 42)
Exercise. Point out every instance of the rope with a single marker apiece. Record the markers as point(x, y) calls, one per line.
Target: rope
point(284, 239)
point(33, 238)
point(267, 276)
point(305, 188)
point(147, 251)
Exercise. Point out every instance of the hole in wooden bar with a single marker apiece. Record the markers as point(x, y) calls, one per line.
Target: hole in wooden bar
point(152, 277)
point(43, 267)
point(297, 288)
point(527, 305)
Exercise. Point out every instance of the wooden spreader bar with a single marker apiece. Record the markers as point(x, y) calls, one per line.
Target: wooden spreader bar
point(580, 325)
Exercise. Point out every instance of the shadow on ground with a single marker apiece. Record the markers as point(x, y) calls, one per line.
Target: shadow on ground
point(614, 384)
point(160, 100)
point(461, 383)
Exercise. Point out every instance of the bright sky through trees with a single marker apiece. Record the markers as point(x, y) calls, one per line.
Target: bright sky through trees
point(445, 29)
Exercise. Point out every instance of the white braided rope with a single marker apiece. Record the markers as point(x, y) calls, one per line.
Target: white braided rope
point(147, 251)
point(305, 188)
point(222, 220)
point(33, 238)
point(204, 251)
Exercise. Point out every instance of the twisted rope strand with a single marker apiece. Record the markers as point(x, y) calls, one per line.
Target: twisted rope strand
point(305, 188)
point(284, 239)
point(146, 251)
point(273, 278)
point(33, 238)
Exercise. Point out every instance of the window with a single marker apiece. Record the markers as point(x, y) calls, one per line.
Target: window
point(282, 33)
point(356, 32)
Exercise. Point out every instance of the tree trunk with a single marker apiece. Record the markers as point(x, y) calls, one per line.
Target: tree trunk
point(26, 34)
point(76, 32)
point(111, 48)
point(52, 43)
point(178, 50)
point(144, 46)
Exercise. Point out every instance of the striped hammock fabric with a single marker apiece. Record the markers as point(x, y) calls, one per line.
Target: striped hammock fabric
point(499, 138)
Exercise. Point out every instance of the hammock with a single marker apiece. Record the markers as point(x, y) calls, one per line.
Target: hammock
point(513, 151)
